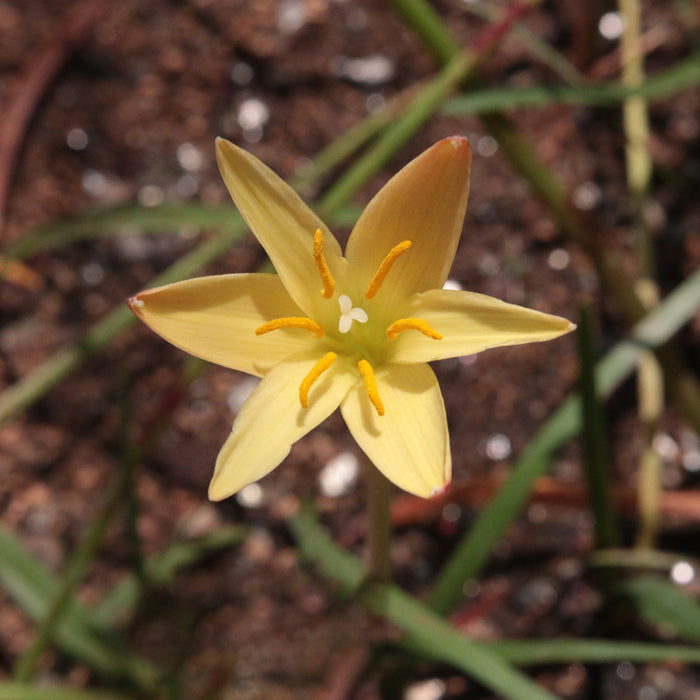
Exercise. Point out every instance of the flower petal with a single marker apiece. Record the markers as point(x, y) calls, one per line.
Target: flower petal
point(215, 318)
point(272, 419)
point(470, 323)
point(424, 203)
point(281, 221)
point(409, 444)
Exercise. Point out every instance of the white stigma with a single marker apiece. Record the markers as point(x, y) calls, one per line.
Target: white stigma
point(349, 313)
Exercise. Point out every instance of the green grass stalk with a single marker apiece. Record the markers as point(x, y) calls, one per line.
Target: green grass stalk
point(378, 522)
point(594, 439)
point(78, 564)
point(475, 547)
point(639, 170)
point(435, 637)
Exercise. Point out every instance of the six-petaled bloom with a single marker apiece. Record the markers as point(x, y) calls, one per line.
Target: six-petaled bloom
point(354, 330)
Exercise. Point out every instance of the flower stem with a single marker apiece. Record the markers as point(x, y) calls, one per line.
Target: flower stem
point(378, 522)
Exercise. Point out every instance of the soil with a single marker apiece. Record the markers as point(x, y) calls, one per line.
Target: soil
point(131, 116)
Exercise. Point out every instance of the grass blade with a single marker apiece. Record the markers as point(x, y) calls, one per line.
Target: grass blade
point(684, 75)
point(429, 634)
point(528, 652)
point(23, 691)
point(662, 604)
point(90, 635)
point(32, 586)
point(593, 433)
point(471, 554)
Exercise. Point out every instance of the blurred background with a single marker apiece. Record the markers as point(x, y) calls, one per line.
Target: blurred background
point(118, 578)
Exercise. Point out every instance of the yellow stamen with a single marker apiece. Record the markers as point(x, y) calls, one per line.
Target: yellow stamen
point(324, 271)
point(385, 266)
point(291, 322)
point(367, 373)
point(316, 371)
point(415, 324)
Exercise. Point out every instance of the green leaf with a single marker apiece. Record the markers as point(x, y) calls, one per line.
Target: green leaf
point(161, 570)
point(429, 634)
point(474, 549)
point(685, 75)
point(529, 652)
point(114, 221)
point(663, 604)
point(23, 691)
point(596, 463)
point(87, 634)
point(31, 585)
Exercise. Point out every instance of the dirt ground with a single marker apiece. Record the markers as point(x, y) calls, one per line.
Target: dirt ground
point(131, 116)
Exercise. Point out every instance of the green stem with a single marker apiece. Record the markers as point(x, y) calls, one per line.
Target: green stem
point(81, 559)
point(457, 68)
point(474, 549)
point(639, 169)
point(430, 97)
point(351, 141)
point(593, 429)
point(421, 16)
point(378, 522)
point(430, 634)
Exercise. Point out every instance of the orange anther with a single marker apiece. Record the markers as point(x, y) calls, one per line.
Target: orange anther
point(367, 372)
point(415, 324)
point(291, 322)
point(385, 266)
point(316, 371)
point(324, 270)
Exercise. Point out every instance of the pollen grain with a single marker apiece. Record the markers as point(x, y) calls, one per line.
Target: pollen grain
point(323, 269)
point(316, 371)
point(415, 324)
point(367, 372)
point(291, 322)
point(384, 267)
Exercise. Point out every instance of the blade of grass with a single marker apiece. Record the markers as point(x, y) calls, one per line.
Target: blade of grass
point(639, 170)
point(426, 22)
point(474, 549)
point(23, 691)
point(160, 571)
point(427, 101)
point(593, 431)
point(90, 635)
point(98, 223)
point(662, 604)
point(429, 633)
point(529, 652)
point(539, 48)
point(639, 559)
point(31, 585)
point(684, 75)
point(75, 570)
point(111, 221)
point(352, 140)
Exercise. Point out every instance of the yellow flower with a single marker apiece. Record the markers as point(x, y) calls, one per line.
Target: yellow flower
point(354, 330)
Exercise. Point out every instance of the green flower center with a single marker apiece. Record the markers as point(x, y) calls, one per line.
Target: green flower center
point(349, 314)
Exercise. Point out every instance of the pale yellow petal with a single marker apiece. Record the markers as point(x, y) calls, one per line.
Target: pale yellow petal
point(215, 318)
point(281, 221)
point(424, 203)
point(470, 323)
point(410, 442)
point(272, 419)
